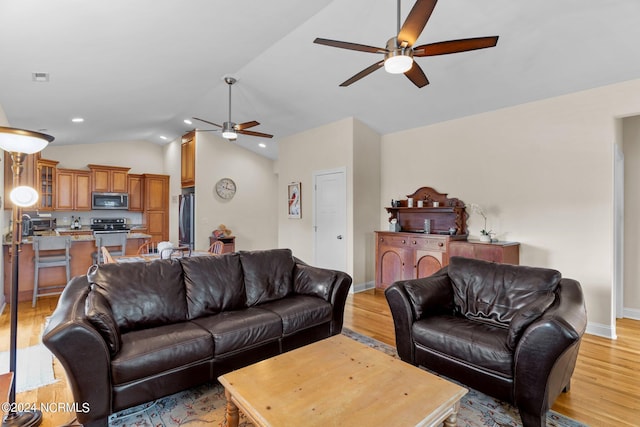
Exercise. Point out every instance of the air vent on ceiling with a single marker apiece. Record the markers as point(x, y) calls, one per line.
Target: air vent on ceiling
point(40, 77)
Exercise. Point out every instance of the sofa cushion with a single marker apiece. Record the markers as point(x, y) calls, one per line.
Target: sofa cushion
point(430, 295)
point(309, 280)
point(479, 344)
point(149, 352)
point(268, 274)
point(239, 330)
point(98, 312)
point(213, 284)
point(142, 294)
point(300, 312)
point(527, 315)
point(495, 292)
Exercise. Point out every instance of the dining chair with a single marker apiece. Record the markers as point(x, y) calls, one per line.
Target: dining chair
point(48, 252)
point(216, 247)
point(106, 255)
point(150, 247)
point(116, 242)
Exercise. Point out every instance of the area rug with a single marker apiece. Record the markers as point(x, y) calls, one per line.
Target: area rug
point(34, 367)
point(205, 406)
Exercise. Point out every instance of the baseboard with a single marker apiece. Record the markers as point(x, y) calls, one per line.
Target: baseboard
point(360, 287)
point(601, 330)
point(631, 313)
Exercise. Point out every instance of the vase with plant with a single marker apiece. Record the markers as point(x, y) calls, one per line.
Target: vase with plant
point(485, 235)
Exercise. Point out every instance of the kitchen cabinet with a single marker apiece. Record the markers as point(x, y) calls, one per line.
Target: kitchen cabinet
point(155, 215)
point(503, 252)
point(73, 190)
point(46, 184)
point(404, 256)
point(109, 179)
point(135, 185)
point(188, 160)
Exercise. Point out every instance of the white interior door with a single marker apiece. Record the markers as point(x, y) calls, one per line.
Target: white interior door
point(330, 220)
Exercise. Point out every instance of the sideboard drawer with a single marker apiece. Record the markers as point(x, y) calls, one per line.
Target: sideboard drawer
point(429, 243)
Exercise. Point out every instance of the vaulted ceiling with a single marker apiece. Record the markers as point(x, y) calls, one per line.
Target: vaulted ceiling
point(134, 70)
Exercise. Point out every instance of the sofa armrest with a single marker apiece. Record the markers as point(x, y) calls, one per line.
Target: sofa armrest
point(331, 285)
point(411, 300)
point(546, 354)
point(82, 352)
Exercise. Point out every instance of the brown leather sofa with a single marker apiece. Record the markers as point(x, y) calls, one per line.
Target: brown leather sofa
point(512, 332)
point(133, 332)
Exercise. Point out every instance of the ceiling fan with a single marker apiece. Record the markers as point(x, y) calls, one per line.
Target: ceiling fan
point(230, 130)
point(399, 51)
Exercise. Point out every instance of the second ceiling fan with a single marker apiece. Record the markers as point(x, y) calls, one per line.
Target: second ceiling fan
point(399, 51)
point(230, 130)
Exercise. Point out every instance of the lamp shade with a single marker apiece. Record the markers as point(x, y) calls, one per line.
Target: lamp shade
point(24, 196)
point(23, 141)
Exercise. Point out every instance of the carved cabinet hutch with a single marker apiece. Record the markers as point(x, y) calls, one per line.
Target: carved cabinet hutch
point(410, 253)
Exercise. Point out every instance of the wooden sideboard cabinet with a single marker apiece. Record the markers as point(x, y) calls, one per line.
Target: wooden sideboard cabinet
point(404, 256)
point(503, 252)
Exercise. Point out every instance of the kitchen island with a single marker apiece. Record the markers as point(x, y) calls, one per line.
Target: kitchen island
point(83, 246)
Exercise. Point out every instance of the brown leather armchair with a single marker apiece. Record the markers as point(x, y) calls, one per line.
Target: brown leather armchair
point(512, 332)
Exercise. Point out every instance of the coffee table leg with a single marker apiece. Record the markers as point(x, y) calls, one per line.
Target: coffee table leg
point(452, 419)
point(232, 410)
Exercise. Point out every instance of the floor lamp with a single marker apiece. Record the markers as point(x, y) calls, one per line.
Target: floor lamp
point(19, 143)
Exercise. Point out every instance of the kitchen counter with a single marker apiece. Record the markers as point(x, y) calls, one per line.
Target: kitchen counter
point(82, 249)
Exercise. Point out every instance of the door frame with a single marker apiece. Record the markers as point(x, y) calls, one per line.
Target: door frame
point(315, 175)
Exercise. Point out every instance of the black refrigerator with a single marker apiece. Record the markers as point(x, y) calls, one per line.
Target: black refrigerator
point(186, 219)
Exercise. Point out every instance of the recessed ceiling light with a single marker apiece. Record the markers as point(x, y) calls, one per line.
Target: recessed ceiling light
point(262, 144)
point(187, 121)
point(163, 137)
point(77, 120)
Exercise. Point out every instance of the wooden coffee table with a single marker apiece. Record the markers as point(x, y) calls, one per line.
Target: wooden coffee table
point(338, 382)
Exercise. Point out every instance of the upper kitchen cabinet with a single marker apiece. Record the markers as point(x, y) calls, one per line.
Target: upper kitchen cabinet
point(73, 190)
point(188, 160)
point(46, 184)
point(136, 192)
point(109, 179)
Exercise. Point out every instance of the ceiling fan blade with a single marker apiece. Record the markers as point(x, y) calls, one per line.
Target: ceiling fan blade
point(454, 46)
point(416, 21)
point(416, 75)
point(247, 125)
point(207, 121)
point(350, 46)
point(363, 73)
point(253, 133)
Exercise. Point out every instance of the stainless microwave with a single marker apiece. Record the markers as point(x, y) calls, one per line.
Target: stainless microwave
point(110, 201)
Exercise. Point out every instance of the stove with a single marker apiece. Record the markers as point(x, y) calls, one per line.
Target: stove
point(109, 224)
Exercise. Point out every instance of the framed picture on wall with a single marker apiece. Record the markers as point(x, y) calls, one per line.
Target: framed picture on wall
point(294, 203)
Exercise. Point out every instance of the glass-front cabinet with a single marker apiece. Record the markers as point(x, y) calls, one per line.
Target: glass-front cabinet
point(46, 184)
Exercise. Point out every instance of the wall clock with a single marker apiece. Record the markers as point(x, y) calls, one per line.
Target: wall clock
point(226, 188)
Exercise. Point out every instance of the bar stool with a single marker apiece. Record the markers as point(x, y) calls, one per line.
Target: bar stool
point(47, 253)
point(115, 242)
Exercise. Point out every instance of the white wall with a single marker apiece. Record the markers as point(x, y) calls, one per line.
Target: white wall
point(543, 171)
point(347, 144)
point(323, 148)
point(140, 156)
point(631, 138)
point(252, 213)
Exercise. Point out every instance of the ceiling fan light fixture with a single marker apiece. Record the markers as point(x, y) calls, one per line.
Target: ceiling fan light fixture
point(398, 64)
point(229, 131)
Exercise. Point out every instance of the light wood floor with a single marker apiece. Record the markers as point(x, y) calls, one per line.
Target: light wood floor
point(605, 388)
